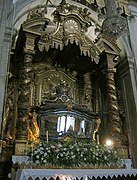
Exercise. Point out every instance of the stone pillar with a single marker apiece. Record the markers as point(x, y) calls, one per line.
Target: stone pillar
point(6, 34)
point(115, 125)
point(24, 96)
point(129, 94)
point(128, 74)
point(88, 90)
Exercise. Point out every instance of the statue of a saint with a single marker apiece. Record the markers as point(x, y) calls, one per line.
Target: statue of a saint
point(97, 125)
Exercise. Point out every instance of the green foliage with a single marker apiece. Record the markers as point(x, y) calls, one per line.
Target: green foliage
point(74, 155)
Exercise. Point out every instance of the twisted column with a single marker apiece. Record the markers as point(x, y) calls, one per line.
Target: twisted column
point(113, 113)
point(25, 90)
point(24, 95)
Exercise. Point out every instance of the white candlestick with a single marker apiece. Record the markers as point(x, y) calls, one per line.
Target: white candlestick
point(97, 139)
point(47, 136)
point(26, 147)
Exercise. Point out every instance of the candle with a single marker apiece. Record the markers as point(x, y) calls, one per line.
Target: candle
point(47, 136)
point(97, 139)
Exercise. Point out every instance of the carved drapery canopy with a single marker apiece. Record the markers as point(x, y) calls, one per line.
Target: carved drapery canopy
point(70, 23)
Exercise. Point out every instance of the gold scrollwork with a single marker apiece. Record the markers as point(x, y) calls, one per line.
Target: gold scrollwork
point(32, 127)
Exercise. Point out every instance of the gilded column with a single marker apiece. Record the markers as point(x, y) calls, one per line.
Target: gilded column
point(115, 125)
point(88, 90)
point(24, 95)
point(24, 99)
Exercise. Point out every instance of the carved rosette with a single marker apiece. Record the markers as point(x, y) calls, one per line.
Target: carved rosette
point(24, 94)
point(113, 111)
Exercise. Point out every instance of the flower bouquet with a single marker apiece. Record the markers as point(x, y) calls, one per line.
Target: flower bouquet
point(74, 155)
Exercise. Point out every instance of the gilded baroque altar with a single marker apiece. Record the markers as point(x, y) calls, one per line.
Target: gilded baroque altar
point(63, 85)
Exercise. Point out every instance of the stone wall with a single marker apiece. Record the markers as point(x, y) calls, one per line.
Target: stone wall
point(5, 48)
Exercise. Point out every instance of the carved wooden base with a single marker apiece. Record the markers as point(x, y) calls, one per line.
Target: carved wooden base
point(21, 147)
point(123, 152)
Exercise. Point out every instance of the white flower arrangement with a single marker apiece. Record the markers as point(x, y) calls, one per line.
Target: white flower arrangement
point(75, 155)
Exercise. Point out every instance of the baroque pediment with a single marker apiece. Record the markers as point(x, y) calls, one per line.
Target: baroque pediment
point(107, 44)
point(35, 26)
point(36, 20)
